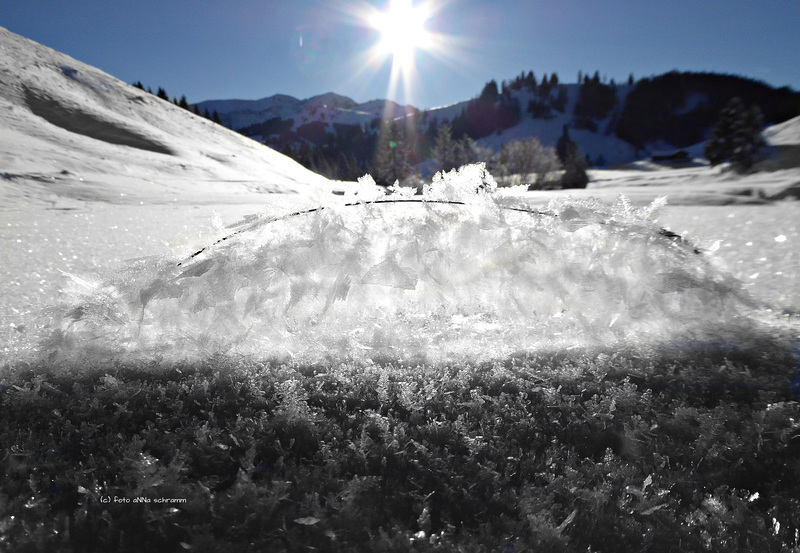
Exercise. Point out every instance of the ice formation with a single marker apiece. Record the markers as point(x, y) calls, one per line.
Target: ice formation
point(464, 272)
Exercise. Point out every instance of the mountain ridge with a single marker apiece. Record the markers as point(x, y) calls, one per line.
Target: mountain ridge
point(612, 124)
point(240, 114)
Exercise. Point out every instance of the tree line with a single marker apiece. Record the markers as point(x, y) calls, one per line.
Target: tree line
point(182, 103)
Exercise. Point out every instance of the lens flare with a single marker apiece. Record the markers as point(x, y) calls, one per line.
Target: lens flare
point(402, 30)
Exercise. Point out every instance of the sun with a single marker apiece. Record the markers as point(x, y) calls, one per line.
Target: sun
point(402, 28)
point(397, 33)
point(402, 32)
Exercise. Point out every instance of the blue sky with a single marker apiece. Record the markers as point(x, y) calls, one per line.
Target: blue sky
point(249, 49)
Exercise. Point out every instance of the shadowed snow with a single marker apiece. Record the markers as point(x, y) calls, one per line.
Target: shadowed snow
point(74, 119)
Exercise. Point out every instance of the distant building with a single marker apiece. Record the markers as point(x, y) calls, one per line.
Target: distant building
point(784, 143)
point(678, 156)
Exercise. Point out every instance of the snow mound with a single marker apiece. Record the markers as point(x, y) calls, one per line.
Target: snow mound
point(463, 272)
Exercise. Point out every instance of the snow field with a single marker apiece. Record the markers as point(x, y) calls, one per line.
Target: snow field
point(757, 245)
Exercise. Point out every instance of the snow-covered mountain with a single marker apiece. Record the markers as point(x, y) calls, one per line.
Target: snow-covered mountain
point(328, 108)
point(612, 124)
point(70, 130)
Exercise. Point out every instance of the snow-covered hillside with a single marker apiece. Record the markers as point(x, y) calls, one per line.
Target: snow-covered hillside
point(69, 130)
point(784, 134)
point(596, 145)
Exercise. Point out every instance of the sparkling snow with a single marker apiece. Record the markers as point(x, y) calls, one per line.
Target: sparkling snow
point(462, 274)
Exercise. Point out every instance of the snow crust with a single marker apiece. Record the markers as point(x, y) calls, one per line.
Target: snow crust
point(462, 273)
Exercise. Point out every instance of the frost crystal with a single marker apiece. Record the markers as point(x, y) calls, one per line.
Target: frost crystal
point(466, 184)
point(455, 275)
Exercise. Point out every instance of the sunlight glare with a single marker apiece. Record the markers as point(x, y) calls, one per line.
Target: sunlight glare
point(401, 26)
point(398, 32)
point(402, 30)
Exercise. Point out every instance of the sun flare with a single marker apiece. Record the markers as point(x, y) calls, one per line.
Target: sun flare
point(402, 31)
point(405, 35)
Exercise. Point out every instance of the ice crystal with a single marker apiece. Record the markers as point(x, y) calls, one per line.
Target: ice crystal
point(456, 274)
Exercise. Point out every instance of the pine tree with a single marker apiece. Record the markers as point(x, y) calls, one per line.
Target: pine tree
point(736, 137)
point(162, 94)
point(560, 102)
point(574, 168)
point(183, 103)
point(392, 161)
point(719, 147)
point(445, 148)
point(562, 144)
point(748, 141)
point(490, 92)
point(574, 164)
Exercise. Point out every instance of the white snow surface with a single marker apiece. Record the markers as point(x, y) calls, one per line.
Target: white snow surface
point(68, 130)
point(464, 274)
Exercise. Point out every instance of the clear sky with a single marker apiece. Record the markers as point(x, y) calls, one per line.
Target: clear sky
point(250, 49)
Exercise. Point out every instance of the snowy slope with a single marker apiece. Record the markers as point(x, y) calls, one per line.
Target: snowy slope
point(548, 131)
point(784, 134)
point(70, 130)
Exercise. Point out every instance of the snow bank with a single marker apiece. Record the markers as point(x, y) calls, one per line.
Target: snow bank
point(462, 273)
